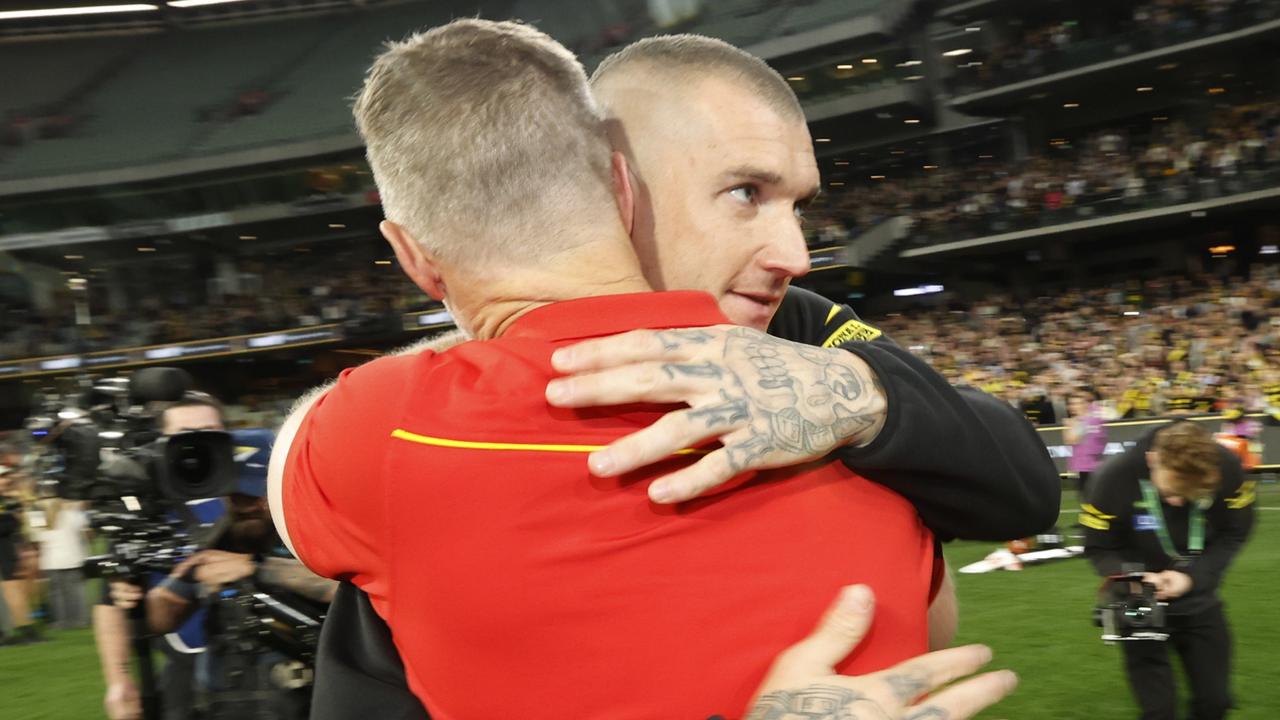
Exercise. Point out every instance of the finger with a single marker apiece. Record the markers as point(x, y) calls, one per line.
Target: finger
point(837, 634)
point(653, 382)
point(710, 472)
point(965, 699)
point(671, 434)
point(912, 678)
point(629, 347)
point(182, 567)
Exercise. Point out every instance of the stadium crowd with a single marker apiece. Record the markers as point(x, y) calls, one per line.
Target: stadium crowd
point(1172, 345)
point(1048, 47)
point(1111, 170)
point(265, 295)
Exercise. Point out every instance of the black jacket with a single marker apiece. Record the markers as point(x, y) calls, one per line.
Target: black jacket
point(972, 465)
point(1119, 531)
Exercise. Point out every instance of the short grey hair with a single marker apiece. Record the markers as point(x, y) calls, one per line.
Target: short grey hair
point(698, 55)
point(483, 137)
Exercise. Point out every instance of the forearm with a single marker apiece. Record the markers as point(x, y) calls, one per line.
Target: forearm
point(167, 611)
point(111, 635)
point(1105, 562)
point(291, 575)
point(971, 464)
point(1070, 433)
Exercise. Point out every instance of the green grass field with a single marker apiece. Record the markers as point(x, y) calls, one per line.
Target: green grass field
point(1037, 621)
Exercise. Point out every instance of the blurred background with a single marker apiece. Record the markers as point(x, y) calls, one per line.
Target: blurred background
point(1037, 196)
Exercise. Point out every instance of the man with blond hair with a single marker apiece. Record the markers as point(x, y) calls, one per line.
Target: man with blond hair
point(1178, 506)
point(444, 433)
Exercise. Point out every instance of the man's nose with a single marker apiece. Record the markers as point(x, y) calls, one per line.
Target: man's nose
point(787, 254)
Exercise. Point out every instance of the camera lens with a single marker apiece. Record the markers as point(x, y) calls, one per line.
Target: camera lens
point(197, 465)
point(191, 466)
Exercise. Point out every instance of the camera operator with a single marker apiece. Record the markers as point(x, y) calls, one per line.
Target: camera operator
point(195, 411)
point(246, 549)
point(1178, 505)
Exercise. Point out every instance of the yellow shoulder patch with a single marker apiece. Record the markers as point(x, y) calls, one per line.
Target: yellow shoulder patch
point(1097, 523)
point(851, 331)
point(835, 310)
point(1089, 508)
point(1092, 517)
point(1243, 499)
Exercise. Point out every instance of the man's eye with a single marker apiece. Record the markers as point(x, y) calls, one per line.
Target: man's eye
point(744, 193)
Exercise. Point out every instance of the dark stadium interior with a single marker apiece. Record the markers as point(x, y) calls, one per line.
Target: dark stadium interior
point(1034, 197)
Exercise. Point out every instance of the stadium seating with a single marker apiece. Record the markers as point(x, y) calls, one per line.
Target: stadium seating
point(170, 95)
point(40, 74)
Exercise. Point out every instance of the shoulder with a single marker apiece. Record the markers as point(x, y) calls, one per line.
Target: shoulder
point(807, 317)
point(375, 385)
point(1233, 476)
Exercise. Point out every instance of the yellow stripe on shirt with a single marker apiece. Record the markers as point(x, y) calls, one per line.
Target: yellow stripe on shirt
point(400, 434)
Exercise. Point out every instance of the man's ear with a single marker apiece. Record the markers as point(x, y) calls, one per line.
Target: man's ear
point(417, 263)
point(624, 190)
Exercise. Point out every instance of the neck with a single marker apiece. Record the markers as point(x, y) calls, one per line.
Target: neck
point(487, 304)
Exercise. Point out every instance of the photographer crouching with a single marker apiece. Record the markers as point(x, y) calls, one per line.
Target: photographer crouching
point(1177, 506)
point(247, 672)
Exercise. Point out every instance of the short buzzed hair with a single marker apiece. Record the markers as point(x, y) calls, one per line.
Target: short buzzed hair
point(483, 137)
point(699, 55)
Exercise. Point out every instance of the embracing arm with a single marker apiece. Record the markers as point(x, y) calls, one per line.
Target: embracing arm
point(971, 464)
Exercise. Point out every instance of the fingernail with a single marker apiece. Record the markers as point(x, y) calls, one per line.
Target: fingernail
point(557, 391)
point(858, 598)
point(986, 653)
point(660, 492)
point(1010, 679)
point(601, 463)
point(563, 356)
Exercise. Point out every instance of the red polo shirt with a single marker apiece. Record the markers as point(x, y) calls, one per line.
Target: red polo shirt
point(516, 584)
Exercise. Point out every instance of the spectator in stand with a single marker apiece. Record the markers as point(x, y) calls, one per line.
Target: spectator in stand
point(1238, 148)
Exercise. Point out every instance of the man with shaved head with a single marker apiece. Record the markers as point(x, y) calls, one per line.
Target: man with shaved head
point(721, 166)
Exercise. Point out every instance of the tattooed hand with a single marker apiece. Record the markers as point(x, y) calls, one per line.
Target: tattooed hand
point(803, 685)
point(770, 402)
